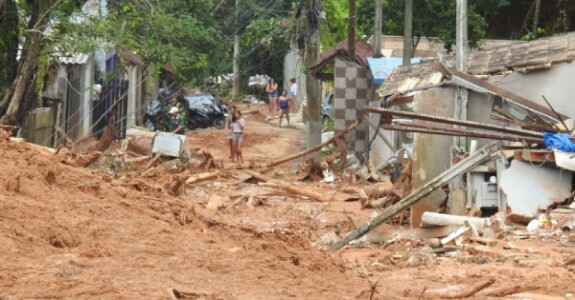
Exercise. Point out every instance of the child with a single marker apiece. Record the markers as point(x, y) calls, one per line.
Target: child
point(284, 107)
point(229, 133)
point(238, 124)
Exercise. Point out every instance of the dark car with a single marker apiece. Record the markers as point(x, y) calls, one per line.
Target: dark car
point(205, 110)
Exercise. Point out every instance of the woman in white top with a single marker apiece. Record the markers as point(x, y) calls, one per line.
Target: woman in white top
point(238, 124)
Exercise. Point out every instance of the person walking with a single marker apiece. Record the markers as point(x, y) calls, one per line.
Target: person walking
point(284, 104)
point(229, 134)
point(293, 93)
point(238, 124)
point(272, 89)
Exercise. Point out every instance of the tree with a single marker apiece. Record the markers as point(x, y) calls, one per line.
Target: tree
point(170, 32)
point(431, 18)
point(19, 94)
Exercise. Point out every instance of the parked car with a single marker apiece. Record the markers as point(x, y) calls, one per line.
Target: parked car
point(205, 110)
point(327, 109)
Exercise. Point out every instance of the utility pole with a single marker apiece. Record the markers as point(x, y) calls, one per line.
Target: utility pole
point(313, 106)
point(458, 195)
point(377, 35)
point(536, 17)
point(351, 31)
point(236, 80)
point(408, 32)
point(461, 58)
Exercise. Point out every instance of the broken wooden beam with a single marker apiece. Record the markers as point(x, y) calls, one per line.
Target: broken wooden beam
point(485, 241)
point(463, 166)
point(431, 219)
point(313, 149)
point(291, 188)
point(197, 178)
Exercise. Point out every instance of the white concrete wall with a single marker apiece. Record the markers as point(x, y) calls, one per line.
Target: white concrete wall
point(293, 68)
point(431, 153)
point(556, 83)
point(132, 109)
point(88, 70)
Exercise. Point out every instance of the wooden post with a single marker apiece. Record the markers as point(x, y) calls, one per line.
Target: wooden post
point(313, 149)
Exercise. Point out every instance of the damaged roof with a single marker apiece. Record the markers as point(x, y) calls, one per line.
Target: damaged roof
point(518, 57)
point(362, 51)
point(73, 59)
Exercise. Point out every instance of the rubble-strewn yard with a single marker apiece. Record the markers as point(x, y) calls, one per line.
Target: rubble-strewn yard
point(129, 228)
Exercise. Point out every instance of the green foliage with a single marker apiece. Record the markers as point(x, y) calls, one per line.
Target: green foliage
point(531, 36)
point(335, 28)
point(431, 18)
point(265, 44)
point(164, 33)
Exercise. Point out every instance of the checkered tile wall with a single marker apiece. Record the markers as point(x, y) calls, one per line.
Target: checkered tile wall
point(352, 93)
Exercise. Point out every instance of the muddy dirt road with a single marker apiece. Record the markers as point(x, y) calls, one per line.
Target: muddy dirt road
point(84, 233)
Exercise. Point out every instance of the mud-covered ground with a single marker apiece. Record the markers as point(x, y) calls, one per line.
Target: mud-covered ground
point(77, 233)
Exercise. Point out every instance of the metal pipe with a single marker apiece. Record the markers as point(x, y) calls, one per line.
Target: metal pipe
point(461, 132)
point(453, 121)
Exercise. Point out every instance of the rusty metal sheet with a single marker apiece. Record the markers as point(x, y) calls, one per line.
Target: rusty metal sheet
point(534, 155)
point(526, 187)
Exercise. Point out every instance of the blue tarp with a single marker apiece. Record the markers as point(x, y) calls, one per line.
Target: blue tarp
point(559, 141)
point(382, 67)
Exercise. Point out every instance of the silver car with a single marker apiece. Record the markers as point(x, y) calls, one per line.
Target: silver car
point(327, 109)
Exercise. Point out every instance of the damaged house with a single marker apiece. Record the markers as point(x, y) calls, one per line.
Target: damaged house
point(515, 93)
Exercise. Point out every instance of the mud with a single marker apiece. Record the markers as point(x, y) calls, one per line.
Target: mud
point(84, 233)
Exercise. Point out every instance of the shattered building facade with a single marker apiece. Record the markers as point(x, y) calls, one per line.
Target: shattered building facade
point(512, 79)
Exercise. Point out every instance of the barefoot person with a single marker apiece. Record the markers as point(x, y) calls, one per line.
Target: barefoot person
point(272, 90)
point(238, 124)
point(229, 134)
point(284, 104)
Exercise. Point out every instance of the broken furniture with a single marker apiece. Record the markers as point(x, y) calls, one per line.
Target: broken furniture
point(171, 144)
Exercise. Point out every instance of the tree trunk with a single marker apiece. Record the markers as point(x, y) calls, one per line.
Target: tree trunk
point(14, 98)
point(313, 105)
point(9, 41)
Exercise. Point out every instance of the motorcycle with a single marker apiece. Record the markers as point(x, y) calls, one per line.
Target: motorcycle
point(155, 110)
point(205, 110)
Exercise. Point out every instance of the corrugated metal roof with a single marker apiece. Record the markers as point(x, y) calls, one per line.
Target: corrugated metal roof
point(74, 59)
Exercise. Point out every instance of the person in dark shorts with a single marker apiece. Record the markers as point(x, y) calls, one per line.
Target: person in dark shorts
point(272, 90)
point(284, 105)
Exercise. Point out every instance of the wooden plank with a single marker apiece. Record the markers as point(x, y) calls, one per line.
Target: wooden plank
point(484, 241)
point(534, 296)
